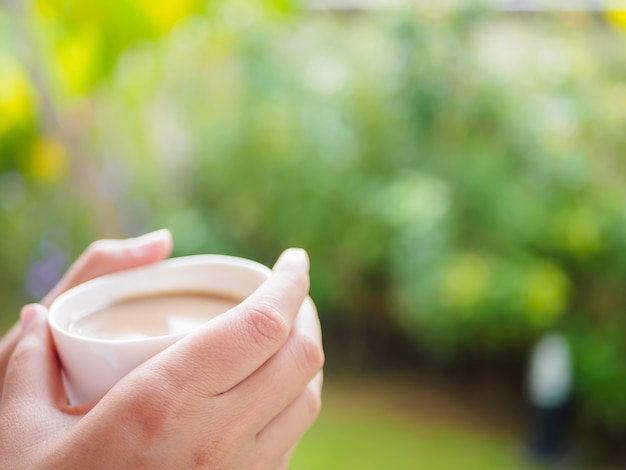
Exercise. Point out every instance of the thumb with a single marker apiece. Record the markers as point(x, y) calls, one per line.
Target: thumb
point(33, 375)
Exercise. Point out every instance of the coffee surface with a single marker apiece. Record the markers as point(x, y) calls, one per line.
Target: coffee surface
point(150, 316)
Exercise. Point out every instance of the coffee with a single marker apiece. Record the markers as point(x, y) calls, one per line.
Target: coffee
point(149, 316)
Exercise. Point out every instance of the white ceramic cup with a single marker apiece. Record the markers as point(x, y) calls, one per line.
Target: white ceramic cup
point(91, 366)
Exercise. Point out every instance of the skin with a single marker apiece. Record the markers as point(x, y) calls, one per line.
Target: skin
point(237, 393)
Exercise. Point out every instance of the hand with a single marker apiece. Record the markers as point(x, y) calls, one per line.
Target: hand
point(100, 258)
point(237, 393)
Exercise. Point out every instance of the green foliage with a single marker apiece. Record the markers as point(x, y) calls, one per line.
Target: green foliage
point(458, 172)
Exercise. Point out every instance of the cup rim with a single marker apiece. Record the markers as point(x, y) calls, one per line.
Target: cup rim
point(206, 259)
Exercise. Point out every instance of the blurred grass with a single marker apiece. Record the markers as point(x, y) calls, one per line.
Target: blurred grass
point(372, 426)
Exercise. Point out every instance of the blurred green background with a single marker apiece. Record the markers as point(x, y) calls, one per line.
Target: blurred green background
point(457, 176)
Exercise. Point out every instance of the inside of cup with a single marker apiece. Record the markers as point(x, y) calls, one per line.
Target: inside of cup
point(221, 275)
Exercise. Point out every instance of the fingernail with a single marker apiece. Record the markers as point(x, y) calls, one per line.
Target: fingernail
point(141, 245)
point(152, 237)
point(28, 316)
point(295, 256)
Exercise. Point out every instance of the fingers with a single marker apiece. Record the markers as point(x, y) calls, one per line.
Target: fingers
point(279, 438)
point(280, 380)
point(33, 373)
point(7, 345)
point(236, 343)
point(280, 434)
point(109, 256)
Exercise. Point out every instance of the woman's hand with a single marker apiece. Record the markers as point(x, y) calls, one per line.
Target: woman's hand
point(237, 393)
point(100, 258)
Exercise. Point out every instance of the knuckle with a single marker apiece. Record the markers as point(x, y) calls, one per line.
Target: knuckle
point(218, 450)
point(267, 323)
point(152, 405)
point(205, 456)
point(311, 352)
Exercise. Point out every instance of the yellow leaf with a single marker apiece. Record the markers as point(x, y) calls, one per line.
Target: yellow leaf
point(617, 18)
point(15, 95)
point(46, 8)
point(78, 54)
point(164, 14)
point(48, 159)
